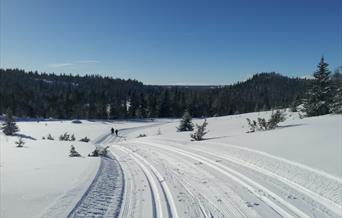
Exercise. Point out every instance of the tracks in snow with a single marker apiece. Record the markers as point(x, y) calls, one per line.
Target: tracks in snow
point(103, 197)
point(278, 203)
point(162, 200)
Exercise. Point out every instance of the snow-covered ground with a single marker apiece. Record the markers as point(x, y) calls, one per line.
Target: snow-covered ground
point(293, 171)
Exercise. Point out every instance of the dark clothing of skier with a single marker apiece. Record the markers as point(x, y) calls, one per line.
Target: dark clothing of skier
point(116, 132)
point(112, 130)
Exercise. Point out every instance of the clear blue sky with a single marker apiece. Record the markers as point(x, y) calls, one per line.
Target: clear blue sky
point(171, 41)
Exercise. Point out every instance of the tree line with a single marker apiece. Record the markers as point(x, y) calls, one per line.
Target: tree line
point(42, 95)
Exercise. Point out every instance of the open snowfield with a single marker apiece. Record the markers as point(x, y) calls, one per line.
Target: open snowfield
point(293, 171)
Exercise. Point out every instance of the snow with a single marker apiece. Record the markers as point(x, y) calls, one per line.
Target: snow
point(292, 171)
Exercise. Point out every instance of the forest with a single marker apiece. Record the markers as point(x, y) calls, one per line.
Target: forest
point(42, 95)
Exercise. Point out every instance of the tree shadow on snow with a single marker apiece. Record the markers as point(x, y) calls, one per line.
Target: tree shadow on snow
point(290, 125)
point(25, 136)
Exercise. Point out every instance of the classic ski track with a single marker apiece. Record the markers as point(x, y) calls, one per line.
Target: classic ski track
point(327, 203)
point(170, 203)
point(243, 180)
point(206, 207)
point(337, 209)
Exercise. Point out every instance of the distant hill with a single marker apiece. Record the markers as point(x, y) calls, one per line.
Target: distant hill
point(33, 94)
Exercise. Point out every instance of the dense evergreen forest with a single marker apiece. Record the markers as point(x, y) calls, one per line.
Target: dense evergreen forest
point(41, 95)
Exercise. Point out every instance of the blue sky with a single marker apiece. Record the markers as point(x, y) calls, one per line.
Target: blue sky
point(171, 41)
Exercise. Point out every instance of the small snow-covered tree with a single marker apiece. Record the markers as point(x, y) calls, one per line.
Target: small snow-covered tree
point(20, 143)
point(85, 139)
point(9, 127)
point(252, 125)
point(73, 152)
point(200, 131)
point(186, 123)
point(275, 119)
point(318, 97)
point(49, 137)
point(72, 138)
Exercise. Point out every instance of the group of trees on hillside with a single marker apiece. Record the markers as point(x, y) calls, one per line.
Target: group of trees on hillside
point(30, 94)
point(34, 95)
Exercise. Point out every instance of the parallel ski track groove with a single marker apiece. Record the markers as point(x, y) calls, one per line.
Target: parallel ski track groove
point(243, 180)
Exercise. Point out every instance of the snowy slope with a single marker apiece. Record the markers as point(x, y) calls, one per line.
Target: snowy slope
point(40, 179)
point(290, 171)
point(293, 171)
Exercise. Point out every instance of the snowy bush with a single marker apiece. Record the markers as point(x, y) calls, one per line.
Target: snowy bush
point(49, 137)
point(73, 152)
point(85, 139)
point(104, 151)
point(261, 125)
point(141, 135)
point(200, 131)
point(275, 119)
point(95, 153)
point(9, 127)
point(66, 137)
point(252, 125)
point(186, 123)
point(99, 152)
point(20, 143)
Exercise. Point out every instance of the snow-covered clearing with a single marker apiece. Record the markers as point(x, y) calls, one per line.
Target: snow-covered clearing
point(293, 171)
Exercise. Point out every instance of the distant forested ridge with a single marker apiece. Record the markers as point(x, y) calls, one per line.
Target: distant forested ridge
point(41, 95)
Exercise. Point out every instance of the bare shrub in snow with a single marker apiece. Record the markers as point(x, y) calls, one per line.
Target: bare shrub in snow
point(72, 138)
point(200, 131)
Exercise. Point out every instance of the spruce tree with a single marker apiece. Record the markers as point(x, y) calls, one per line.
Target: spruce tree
point(200, 132)
point(186, 123)
point(319, 95)
point(9, 127)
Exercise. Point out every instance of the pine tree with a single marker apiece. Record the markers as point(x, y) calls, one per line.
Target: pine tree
point(200, 132)
point(319, 96)
point(186, 123)
point(9, 127)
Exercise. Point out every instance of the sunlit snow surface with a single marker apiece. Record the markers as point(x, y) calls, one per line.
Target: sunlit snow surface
point(294, 170)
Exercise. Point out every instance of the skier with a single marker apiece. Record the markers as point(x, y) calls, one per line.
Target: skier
point(112, 130)
point(116, 132)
